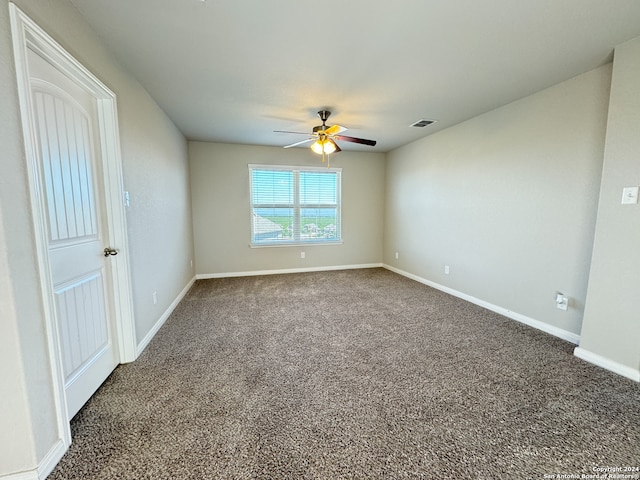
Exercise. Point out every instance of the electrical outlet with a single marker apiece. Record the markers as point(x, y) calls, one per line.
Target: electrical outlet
point(562, 302)
point(302, 255)
point(397, 256)
point(446, 269)
point(630, 195)
point(155, 298)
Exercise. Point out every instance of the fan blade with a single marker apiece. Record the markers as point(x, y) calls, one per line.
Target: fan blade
point(335, 129)
point(338, 149)
point(299, 143)
point(363, 141)
point(297, 133)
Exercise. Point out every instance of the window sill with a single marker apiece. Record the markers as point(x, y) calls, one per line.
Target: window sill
point(294, 244)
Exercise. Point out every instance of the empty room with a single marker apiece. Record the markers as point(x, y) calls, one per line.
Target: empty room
point(329, 240)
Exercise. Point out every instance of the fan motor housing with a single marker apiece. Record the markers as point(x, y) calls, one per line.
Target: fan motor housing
point(324, 115)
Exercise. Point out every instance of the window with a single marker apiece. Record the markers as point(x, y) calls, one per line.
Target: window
point(294, 205)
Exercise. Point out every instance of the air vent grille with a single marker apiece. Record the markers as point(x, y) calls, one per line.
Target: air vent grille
point(422, 123)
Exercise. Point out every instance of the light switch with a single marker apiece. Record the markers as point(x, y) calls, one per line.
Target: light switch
point(630, 195)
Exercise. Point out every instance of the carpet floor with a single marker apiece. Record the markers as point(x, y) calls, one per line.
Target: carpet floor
point(355, 374)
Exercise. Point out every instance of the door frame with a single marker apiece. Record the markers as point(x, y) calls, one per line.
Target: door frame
point(26, 34)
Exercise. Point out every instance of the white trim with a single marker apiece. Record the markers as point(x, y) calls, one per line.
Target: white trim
point(205, 276)
point(117, 227)
point(22, 28)
point(46, 466)
point(27, 475)
point(294, 244)
point(518, 317)
point(147, 339)
point(266, 166)
point(607, 364)
point(51, 459)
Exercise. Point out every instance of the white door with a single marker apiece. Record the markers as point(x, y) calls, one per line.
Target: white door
point(65, 118)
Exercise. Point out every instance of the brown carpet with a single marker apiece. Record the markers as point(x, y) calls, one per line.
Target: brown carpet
point(358, 374)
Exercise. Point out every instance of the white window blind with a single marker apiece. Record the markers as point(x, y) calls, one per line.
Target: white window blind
point(294, 205)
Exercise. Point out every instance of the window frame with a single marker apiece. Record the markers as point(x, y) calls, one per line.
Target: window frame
point(296, 206)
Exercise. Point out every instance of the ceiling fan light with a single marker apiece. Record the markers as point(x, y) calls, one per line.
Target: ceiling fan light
point(329, 146)
point(317, 147)
point(324, 146)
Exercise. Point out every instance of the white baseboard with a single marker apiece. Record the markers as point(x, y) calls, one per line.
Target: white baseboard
point(607, 364)
point(52, 458)
point(147, 339)
point(204, 276)
point(28, 475)
point(46, 466)
point(532, 322)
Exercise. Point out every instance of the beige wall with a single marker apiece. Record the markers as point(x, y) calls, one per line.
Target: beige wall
point(155, 168)
point(159, 220)
point(611, 328)
point(507, 200)
point(221, 218)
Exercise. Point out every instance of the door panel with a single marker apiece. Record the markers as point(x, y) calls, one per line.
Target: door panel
point(66, 121)
point(67, 173)
point(81, 308)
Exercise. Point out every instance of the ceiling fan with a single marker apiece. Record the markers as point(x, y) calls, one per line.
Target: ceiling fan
point(325, 137)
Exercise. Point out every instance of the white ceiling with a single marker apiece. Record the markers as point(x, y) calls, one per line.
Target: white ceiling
point(236, 70)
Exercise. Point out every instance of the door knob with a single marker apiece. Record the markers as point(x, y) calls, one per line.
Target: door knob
point(110, 251)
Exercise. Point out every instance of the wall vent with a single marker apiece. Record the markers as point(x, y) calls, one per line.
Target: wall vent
point(422, 123)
